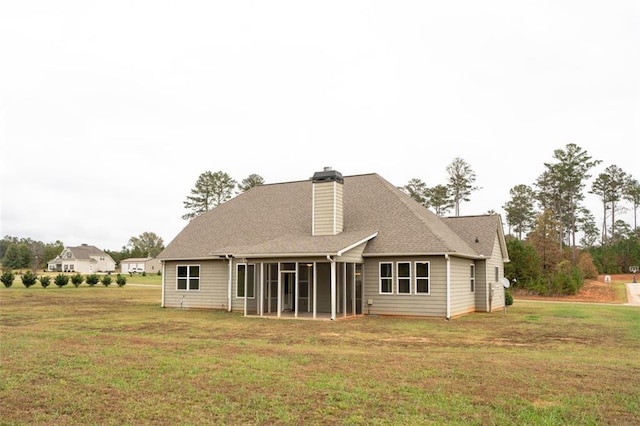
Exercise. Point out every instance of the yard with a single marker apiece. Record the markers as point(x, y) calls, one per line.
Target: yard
point(110, 355)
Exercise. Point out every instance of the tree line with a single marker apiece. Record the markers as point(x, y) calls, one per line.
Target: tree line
point(26, 253)
point(553, 239)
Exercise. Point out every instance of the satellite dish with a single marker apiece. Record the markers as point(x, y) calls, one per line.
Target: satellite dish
point(505, 282)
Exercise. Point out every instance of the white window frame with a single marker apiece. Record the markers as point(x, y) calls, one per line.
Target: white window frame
point(380, 278)
point(246, 271)
point(408, 278)
point(472, 273)
point(188, 277)
point(427, 277)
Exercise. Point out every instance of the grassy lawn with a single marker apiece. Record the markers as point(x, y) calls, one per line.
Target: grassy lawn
point(109, 355)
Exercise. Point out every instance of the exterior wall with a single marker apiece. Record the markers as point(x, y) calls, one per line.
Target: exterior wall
point(482, 288)
point(497, 299)
point(213, 285)
point(354, 255)
point(327, 208)
point(101, 263)
point(127, 267)
point(463, 300)
point(152, 266)
point(433, 304)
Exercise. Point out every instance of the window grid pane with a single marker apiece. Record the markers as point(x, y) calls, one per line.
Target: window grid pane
point(404, 277)
point(422, 277)
point(386, 278)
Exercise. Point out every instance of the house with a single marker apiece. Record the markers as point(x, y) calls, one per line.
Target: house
point(84, 259)
point(138, 265)
point(333, 247)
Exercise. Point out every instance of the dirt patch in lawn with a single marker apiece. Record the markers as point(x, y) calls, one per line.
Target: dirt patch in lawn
point(594, 291)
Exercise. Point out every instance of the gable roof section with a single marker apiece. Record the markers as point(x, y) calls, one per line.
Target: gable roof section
point(275, 219)
point(85, 252)
point(480, 232)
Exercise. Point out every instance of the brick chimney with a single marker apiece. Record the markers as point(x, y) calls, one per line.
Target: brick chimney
point(327, 202)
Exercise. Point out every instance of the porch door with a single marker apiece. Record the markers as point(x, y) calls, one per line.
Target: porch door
point(288, 290)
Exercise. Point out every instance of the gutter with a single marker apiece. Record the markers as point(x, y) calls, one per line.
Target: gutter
point(229, 257)
point(448, 259)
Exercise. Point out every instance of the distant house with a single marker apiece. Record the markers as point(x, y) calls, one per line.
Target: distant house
point(137, 265)
point(335, 246)
point(84, 259)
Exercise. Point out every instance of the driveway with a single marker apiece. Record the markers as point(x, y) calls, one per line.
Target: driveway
point(633, 294)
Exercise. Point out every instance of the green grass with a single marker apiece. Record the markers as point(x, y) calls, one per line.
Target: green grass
point(109, 355)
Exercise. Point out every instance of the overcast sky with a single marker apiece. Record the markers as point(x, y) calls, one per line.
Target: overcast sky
point(110, 110)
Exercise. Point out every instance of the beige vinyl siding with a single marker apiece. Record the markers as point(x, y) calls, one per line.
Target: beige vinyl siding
point(497, 301)
point(432, 304)
point(213, 285)
point(462, 299)
point(327, 208)
point(354, 255)
point(482, 289)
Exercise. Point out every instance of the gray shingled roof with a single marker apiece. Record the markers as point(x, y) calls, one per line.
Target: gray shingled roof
point(86, 251)
point(479, 232)
point(275, 219)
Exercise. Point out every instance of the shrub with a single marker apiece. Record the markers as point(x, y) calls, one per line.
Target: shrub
point(508, 298)
point(29, 278)
point(45, 280)
point(61, 280)
point(93, 279)
point(144, 273)
point(106, 280)
point(121, 280)
point(77, 279)
point(7, 278)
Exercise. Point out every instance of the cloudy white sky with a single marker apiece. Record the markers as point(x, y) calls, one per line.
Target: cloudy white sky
point(110, 110)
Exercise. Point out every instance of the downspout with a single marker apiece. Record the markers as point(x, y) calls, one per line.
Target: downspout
point(229, 257)
point(446, 257)
point(333, 287)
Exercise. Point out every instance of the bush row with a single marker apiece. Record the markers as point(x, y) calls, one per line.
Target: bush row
point(29, 279)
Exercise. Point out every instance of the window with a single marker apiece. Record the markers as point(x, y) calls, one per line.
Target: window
point(496, 273)
point(472, 273)
point(245, 273)
point(386, 277)
point(404, 277)
point(188, 277)
point(422, 277)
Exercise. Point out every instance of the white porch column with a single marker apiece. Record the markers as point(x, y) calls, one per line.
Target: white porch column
point(333, 288)
point(295, 295)
point(344, 289)
point(261, 291)
point(315, 290)
point(246, 274)
point(279, 291)
point(353, 289)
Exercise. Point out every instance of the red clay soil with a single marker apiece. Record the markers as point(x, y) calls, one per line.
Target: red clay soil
point(593, 291)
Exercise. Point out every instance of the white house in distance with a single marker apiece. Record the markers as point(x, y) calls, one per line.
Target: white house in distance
point(138, 265)
point(84, 259)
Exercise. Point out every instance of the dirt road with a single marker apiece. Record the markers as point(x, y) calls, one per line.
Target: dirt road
point(633, 294)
